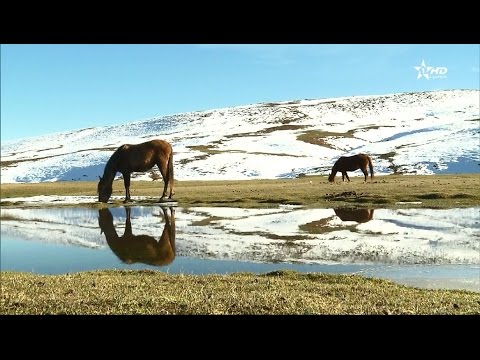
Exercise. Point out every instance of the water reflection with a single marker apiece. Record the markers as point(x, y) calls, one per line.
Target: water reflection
point(329, 223)
point(145, 249)
point(358, 215)
point(428, 243)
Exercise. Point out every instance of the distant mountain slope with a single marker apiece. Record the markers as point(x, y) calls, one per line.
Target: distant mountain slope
point(410, 133)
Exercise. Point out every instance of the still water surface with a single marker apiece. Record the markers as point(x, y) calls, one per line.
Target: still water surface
point(420, 247)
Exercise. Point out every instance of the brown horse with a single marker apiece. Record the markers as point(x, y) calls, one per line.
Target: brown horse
point(358, 215)
point(351, 163)
point(131, 248)
point(137, 158)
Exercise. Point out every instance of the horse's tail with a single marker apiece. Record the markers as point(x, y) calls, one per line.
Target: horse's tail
point(371, 166)
point(170, 172)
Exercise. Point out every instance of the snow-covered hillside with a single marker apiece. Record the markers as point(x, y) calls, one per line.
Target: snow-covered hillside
point(409, 133)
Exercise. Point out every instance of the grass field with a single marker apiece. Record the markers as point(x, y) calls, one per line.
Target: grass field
point(430, 191)
point(280, 292)
point(152, 292)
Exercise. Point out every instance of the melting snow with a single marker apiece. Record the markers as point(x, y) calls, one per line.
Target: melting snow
point(422, 132)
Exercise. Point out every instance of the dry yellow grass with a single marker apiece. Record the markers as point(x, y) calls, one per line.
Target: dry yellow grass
point(432, 191)
point(149, 292)
point(281, 292)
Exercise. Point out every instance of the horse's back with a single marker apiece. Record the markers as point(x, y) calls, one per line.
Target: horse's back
point(363, 157)
point(358, 157)
point(158, 143)
point(347, 163)
point(151, 144)
point(148, 149)
point(354, 160)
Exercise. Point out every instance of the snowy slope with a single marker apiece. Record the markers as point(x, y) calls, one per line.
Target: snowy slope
point(410, 133)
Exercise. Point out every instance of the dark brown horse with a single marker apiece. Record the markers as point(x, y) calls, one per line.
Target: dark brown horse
point(145, 249)
point(351, 163)
point(358, 215)
point(137, 158)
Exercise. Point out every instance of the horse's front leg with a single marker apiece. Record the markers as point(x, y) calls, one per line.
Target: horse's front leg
point(126, 182)
point(346, 175)
point(128, 222)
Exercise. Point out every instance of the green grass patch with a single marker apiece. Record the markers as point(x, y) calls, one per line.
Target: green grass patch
point(461, 196)
point(432, 196)
point(205, 148)
point(317, 137)
point(434, 191)
point(387, 156)
point(279, 292)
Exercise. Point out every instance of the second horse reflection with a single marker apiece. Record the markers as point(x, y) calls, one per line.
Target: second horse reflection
point(358, 215)
point(140, 248)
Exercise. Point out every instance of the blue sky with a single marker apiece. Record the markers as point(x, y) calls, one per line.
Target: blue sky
point(61, 87)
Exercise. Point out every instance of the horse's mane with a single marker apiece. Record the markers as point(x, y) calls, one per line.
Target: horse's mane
point(111, 165)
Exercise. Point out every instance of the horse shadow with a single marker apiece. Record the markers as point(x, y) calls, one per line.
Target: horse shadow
point(130, 248)
point(358, 215)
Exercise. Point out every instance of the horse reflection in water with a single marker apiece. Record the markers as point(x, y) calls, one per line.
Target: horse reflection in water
point(358, 215)
point(140, 248)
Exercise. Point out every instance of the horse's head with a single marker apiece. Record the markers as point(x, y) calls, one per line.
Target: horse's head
point(331, 177)
point(104, 190)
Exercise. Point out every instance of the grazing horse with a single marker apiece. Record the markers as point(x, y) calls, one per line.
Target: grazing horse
point(141, 157)
point(131, 248)
point(358, 215)
point(351, 163)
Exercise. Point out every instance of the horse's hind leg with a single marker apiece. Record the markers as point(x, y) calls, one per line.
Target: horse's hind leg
point(365, 172)
point(128, 222)
point(163, 167)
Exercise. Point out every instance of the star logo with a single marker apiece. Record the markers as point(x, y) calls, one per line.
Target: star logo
point(423, 70)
